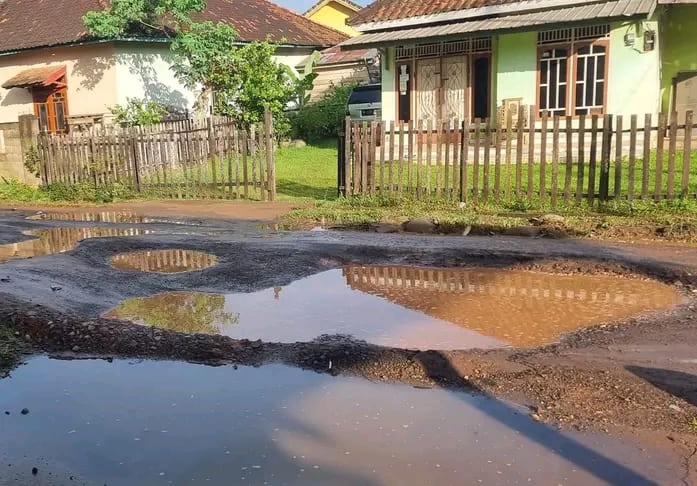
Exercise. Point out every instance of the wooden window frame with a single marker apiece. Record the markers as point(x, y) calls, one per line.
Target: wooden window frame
point(44, 96)
point(572, 73)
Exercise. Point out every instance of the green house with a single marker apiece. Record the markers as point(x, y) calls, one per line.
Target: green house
point(467, 59)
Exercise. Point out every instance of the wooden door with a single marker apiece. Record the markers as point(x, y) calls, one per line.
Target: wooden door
point(428, 88)
point(454, 87)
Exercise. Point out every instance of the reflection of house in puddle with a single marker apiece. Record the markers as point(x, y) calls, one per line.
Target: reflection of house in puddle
point(164, 261)
point(519, 307)
point(59, 240)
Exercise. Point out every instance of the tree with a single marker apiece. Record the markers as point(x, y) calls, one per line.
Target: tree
point(209, 58)
point(142, 17)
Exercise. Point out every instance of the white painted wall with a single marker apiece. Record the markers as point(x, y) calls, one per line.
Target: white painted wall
point(144, 71)
point(389, 93)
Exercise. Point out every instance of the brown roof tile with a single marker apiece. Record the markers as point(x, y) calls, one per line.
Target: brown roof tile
point(42, 76)
point(26, 24)
point(400, 9)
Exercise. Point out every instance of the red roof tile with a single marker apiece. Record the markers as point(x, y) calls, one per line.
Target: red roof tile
point(401, 9)
point(26, 24)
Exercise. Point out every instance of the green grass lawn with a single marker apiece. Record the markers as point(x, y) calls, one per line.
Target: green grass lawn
point(308, 173)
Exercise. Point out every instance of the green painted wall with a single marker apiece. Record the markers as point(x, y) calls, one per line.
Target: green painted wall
point(634, 76)
point(516, 67)
point(679, 46)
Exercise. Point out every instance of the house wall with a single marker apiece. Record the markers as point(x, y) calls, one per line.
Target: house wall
point(634, 76)
point(634, 85)
point(678, 48)
point(389, 87)
point(328, 76)
point(293, 57)
point(516, 67)
point(91, 76)
point(144, 71)
point(334, 15)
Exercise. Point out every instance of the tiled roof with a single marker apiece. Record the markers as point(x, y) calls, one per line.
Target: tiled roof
point(26, 24)
point(400, 9)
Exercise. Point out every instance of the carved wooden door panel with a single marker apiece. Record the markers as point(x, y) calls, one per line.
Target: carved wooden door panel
point(428, 88)
point(454, 87)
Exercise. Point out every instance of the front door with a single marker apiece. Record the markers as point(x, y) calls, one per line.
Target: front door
point(454, 88)
point(428, 82)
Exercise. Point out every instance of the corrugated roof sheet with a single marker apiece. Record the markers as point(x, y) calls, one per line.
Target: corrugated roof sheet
point(334, 55)
point(597, 11)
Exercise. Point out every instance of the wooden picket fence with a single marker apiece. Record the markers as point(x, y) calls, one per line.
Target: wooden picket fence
point(178, 160)
point(547, 158)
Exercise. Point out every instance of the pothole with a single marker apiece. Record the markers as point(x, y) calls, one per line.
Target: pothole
point(116, 217)
point(164, 261)
point(410, 307)
point(248, 424)
point(59, 240)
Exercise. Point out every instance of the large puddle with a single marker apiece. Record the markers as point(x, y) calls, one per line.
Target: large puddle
point(161, 423)
point(48, 241)
point(407, 307)
point(163, 261)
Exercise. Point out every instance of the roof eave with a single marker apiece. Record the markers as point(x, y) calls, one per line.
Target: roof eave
point(444, 38)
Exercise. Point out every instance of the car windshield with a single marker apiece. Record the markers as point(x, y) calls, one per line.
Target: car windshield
point(370, 94)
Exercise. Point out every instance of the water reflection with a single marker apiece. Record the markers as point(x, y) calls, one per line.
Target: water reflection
point(59, 240)
point(424, 308)
point(190, 312)
point(124, 216)
point(92, 217)
point(519, 307)
point(158, 423)
point(164, 261)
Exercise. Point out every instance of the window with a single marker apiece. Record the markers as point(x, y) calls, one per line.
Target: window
point(590, 79)
point(573, 70)
point(553, 80)
point(50, 107)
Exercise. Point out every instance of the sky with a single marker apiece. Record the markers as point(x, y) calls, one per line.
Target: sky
point(302, 5)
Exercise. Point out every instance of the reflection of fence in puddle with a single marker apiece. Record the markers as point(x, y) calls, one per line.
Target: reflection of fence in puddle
point(491, 282)
point(522, 308)
point(59, 240)
point(164, 261)
point(93, 217)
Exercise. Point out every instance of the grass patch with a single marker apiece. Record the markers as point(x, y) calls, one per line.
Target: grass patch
point(307, 173)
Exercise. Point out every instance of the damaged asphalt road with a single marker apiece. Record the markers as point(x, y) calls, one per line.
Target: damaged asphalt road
point(636, 375)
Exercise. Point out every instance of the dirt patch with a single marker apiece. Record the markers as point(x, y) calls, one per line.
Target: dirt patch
point(240, 211)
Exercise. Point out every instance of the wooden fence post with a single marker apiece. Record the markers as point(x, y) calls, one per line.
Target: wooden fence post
point(606, 149)
point(270, 155)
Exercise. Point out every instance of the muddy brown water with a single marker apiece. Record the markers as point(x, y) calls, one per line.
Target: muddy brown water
point(409, 307)
point(159, 423)
point(48, 241)
point(163, 261)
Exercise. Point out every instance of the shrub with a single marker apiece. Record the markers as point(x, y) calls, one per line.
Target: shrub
point(323, 118)
point(138, 112)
